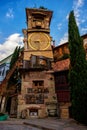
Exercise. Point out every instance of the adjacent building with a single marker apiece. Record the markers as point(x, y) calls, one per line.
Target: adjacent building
point(61, 69)
point(4, 67)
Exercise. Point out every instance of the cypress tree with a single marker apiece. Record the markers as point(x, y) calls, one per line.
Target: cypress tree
point(77, 72)
point(14, 56)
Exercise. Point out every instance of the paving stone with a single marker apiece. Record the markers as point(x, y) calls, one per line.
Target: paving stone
point(41, 124)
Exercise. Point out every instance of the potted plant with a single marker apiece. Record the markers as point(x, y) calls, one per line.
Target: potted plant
point(3, 116)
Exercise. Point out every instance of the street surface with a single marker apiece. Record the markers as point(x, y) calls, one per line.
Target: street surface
point(15, 124)
point(41, 124)
point(16, 127)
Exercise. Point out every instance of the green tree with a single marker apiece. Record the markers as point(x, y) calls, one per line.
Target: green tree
point(78, 72)
point(14, 56)
point(14, 77)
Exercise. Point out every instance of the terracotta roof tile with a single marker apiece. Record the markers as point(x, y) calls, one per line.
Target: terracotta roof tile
point(61, 65)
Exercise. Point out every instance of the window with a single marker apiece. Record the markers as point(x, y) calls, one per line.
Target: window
point(29, 90)
point(61, 82)
point(0, 72)
point(38, 83)
point(34, 98)
point(35, 95)
point(61, 79)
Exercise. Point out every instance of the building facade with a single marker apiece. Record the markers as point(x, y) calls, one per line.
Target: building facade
point(4, 67)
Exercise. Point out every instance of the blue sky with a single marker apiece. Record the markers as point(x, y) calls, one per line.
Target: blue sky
point(13, 20)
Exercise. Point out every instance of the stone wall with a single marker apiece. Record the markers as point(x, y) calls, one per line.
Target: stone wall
point(40, 97)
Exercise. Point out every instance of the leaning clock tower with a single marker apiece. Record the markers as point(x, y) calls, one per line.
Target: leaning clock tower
point(37, 98)
point(37, 35)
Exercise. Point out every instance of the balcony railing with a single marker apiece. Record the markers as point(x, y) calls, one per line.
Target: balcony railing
point(37, 62)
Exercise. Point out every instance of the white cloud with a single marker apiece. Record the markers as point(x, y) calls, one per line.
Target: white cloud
point(9, 45)
point(64, 39)
point(84, 30)
point(9, 13)
point(80, 3)
point(67, 16)
point(77, 9)
point(0, 34)
point(83, 20)
point(59, 26)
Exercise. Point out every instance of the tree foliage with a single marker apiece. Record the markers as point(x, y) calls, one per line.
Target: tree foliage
point(14, 77)
point(42, 7)
point(78, 72)
point(14, 56)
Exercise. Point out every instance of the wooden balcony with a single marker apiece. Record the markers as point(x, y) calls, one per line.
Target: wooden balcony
point(63, 95)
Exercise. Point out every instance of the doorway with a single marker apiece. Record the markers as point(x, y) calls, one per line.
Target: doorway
point(8, 106)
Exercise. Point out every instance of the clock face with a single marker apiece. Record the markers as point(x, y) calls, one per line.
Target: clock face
point(39, 41)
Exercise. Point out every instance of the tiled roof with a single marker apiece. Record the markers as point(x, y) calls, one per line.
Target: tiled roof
point(61, 65)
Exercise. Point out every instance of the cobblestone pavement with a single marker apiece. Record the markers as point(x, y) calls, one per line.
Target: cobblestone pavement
point(41, 124)
point(15, 125)
point(56, 124)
